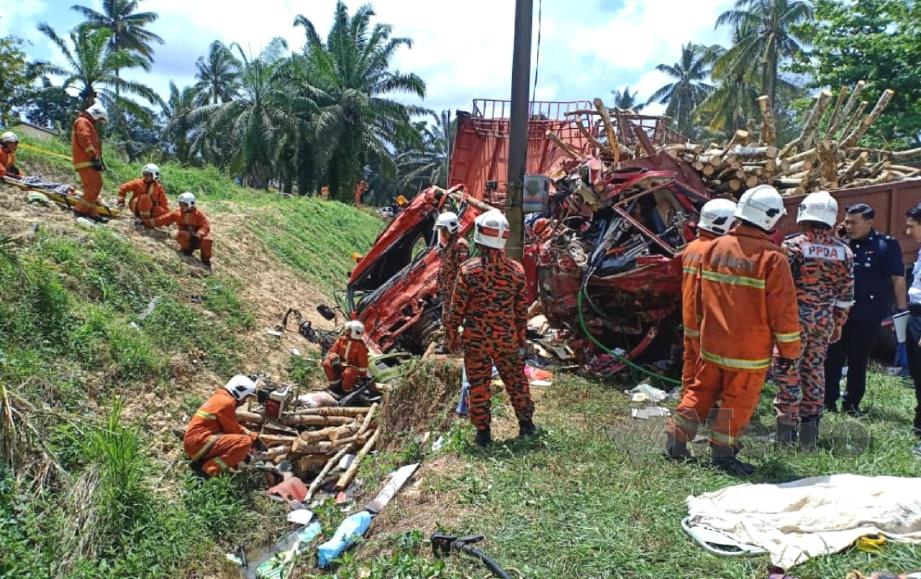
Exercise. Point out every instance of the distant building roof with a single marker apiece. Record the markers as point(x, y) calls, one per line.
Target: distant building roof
point(30, 127)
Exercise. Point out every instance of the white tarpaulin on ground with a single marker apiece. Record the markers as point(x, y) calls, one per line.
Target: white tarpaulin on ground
point(810, 517)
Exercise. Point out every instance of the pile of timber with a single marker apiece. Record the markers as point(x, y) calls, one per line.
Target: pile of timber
point(314, 440)
point(824, 156)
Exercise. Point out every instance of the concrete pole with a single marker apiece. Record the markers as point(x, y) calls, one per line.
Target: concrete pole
point(518, 127)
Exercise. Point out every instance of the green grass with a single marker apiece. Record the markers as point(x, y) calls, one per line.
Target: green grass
point(593, 498)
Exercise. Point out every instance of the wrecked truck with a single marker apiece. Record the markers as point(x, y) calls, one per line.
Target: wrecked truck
point(602, 242)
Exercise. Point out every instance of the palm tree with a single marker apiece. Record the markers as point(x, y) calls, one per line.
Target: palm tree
point(765, 34)
point(688, 90)
point(178, 128)
point(624, 100)
point(350, 77)
point(218, 75)
point(249, 131)
point(93, 70)
point(428, 164)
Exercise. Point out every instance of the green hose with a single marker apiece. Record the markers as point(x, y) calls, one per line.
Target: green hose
point(623, 359)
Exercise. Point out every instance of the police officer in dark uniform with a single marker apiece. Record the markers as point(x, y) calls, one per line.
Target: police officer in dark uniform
point(878, 275)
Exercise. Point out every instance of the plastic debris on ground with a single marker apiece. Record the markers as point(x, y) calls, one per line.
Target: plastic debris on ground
point(279, 562)
point(645, 392)
point(291, 489)
point(274, 333)
point(350, 530)
point(648, 412)
point(538, 377)
point(295, 352)
point(300, 516)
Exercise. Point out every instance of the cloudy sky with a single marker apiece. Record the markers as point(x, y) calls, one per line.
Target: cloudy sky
point(462, 49)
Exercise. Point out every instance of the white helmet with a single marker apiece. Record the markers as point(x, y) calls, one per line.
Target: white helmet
point(717, 216)
point(240, 387)
point(761, 206)
point(153, 170)
point(9, 137)
point(491, 229)
point(98, 112)
point(449, 221)
point(819, 206)
point(355, 329)
point(188, 199)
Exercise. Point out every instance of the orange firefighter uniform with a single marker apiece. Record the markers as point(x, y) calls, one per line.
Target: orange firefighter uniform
point(8, 162)
point(453, 254)
point(148, 200)
point(214, 438)
point(360, 189)
point(85, 147)
point(194, 231)
point(690, 263)
point(747, 303)
point(345, 363)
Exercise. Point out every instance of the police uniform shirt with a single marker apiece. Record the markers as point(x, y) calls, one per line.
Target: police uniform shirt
point(877, 258)
point(914, 292)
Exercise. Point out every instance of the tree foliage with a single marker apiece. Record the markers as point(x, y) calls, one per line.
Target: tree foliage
point(878, 41)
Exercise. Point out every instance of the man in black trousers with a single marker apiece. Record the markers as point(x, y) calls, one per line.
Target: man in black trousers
point(913, 341)
point(878, 275)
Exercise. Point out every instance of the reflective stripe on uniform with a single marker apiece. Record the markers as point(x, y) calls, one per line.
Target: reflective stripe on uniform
point(691, 270)
point(205, 447)
point(84, 165)
point(721, 439)
point(205, 415)
point(730, 279)
point(685, 425)
point(691, 333)
point(738, 363)
point(786, 338)
point(223, 465)
point(843, 304)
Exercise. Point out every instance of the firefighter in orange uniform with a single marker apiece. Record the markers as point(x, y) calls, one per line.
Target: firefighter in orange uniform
point(214, 440)
point(490, 301)
point(454, 251)
point(716, 217)
point(194, 227)
point(347, 360)
point(86, 149)
point(360, 189)
point(9, 142)
point(148, 198)
point(747, 302)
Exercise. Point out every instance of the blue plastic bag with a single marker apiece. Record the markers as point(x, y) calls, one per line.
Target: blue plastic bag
point(349, 530)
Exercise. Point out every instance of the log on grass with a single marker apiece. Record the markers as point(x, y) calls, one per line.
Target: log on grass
point(349, 474)
point(329, 465)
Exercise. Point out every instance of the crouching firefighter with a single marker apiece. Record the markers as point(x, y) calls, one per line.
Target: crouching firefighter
point(716, 217)
point(347, 361)
point(823, 271)
point(747, 305)
point(148, 197)
point(214, 440)
point(490, 303)
point(194, 228)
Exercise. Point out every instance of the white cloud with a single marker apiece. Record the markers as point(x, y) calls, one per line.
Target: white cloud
point(462, 50)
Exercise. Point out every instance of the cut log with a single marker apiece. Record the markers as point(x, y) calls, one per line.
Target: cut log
point(828, 162)
point(368, 418)
point(851, 170)
point(334, 411)
point(349, 474)
point(735, 185)
point(589, 136)
point(751, 181)
point(812, 123)
point(905, 155)
point(708, 170)
point(864, 125)
point(741, 138)
point(278, 450)
point(904, 169)
point(275, 439)
point(768, 126)
point(249, 417)
point(308, 420)
point(855, 119)
point(329, 465)
point(608, 128)
point(808, 154)
point(836, 113)
point(567, 149)
point(849, 108)
point(768, 152)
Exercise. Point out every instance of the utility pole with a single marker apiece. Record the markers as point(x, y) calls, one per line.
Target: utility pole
point(518, 127)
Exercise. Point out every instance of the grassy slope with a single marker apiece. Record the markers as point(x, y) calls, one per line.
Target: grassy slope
point(72, 342)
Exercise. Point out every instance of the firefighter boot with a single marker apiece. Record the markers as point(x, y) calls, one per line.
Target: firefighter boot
point(526, 428)
point(785, 433)
point(724, 459)
point(809, 433)
point(483, 437)
point(676, 449)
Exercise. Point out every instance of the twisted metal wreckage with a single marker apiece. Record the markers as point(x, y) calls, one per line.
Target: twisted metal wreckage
point(615, 196)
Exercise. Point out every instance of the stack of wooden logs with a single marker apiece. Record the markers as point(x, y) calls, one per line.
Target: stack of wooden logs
point(315, 439)
point(825, 155)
